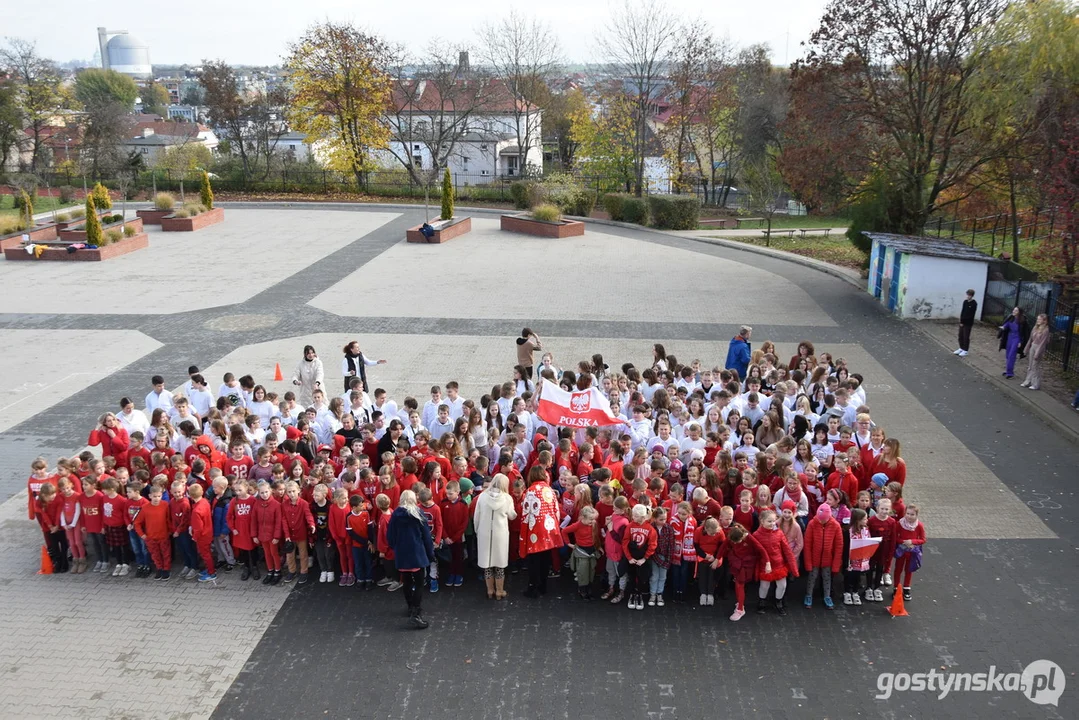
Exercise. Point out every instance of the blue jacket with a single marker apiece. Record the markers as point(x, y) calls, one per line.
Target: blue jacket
point(221, 512)
point(738, 356)
point(410, 539)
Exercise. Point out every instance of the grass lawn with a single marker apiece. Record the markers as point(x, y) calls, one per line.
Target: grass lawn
point(41, 204)
point(806, 221)
point(834, 249)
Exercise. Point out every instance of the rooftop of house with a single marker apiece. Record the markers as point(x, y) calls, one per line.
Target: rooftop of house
point(481, 96)
point(936, 247)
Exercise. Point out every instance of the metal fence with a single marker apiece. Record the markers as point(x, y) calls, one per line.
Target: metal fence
point(1035, 298)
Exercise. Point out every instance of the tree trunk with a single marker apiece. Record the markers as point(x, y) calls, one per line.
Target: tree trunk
point(1015, 218)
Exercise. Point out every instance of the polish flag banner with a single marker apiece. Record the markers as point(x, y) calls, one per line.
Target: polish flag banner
point(577, 409)
point(863, 548)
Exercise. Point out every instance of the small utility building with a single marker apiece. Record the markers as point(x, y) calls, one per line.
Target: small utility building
point(925, 277)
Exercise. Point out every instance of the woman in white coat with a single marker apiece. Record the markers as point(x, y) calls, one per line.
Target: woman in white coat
point(494, 510)
point(308, 376)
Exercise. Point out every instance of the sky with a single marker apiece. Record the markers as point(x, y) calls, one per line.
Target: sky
point(245, 32)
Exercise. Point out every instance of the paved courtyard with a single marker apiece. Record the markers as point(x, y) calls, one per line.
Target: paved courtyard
point(996, 485)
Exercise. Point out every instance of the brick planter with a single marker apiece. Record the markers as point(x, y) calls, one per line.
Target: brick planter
point(40, 233)
point(80, 235)
point(530, 226)
point(444, 231)
point(152, 217)
point(210, 217)
point(59, 253)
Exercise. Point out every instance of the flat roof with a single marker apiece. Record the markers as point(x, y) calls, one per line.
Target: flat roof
point(936, 247)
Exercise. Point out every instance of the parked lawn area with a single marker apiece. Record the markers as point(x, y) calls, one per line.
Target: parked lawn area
point(833, 249)
point(41, 204)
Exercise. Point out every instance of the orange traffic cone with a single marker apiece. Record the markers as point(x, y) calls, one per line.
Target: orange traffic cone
point(897, 609)
point(277, 376)
point(46, 562)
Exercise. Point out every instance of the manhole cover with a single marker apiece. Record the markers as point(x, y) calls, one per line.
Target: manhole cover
point(240, 323)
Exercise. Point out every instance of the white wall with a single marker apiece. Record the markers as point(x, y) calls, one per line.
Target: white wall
point(936, 287)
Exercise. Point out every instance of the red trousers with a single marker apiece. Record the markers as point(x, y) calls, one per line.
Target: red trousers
point(203, 546)
point(160, 552)
point(273, 555)
point(344, 556)
point(740, 595)
point(902, 567)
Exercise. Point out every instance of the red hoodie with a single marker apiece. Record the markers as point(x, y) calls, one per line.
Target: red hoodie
point(296, 519)
point(266, 520)
point(180, 508)
point(202, 522)
point(644, 534)
point(454, 519)
point(213, 457)
point(339, 522)
point(433, 514)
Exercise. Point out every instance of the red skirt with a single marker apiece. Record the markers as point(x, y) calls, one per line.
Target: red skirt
point(776, 574)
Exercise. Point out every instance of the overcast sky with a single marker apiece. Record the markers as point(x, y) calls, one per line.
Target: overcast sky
point(257, 33)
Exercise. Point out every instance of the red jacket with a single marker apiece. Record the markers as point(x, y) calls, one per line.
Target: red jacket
point(823, 545)
point(916, 536)
point(885, 530)
point(454, 519)
point(296, 520)
point(239, 521)
point(580, 534)
point(742, 558)
point(213, 457)
point(202, 522)
point(116, 446)
point(266, 520)
point(180, 508)
point(339, 522)
point(703, 512)
point(433, 514)
point(847, 482)
point(33, 487)
point(644, 534)
point(777, 551)
point(382, 544)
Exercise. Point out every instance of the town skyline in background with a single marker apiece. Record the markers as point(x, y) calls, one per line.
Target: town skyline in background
point(242, 37)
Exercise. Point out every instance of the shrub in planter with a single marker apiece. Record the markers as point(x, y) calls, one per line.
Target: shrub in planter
point(206, 193)
point(11, 224)
point(114, 235)
point(67, 195)
point(93, 225)
point(624, 207)
point(584, 203)
point(164, 201)
point(63, 217)
point(674, 212)
point(109, 219)
point(129, 231)
point(100, 193)
point(25, 206)
point(447, 196)
point(519, 193)
point(78, 214)
point(547, 212)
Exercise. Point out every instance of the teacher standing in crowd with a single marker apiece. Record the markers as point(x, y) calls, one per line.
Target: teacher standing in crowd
point(527, 344)
point(494, 510)
point(308, 376)
point(539, 530)
point(354, 364)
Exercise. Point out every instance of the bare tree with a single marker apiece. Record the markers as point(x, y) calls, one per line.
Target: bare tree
point(38, 92)
point(637, 41)
point(523, 54)
point(435, 107)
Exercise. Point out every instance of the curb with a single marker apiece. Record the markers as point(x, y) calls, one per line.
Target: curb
point(1062, 427)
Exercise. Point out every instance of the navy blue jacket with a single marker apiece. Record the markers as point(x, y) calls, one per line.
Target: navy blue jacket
point(411, 541)
point(738, 356)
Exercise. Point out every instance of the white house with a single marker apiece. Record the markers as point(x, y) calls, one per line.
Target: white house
point(148, 137)
point(294, 146)
point(483, 131)
point(925, 277)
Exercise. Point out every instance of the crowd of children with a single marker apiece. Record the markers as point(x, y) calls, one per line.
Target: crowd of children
point(711, 479)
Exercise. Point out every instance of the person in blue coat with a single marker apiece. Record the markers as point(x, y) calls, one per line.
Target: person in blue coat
point(413, 550)
point(739, 352)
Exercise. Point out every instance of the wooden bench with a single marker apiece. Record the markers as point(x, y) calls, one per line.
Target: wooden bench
point(719, 222)
point(816, 231)
point(759, 221)
point(776, 231)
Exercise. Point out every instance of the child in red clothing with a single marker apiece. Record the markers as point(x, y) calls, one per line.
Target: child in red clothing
point(582, 538)
point(180, 512)
point(454, 513)
point(71, 523)
point(741, 553)
point(639, 544)
point(358, 526)
point(909, 537)
point(39, 475)
point(431, 512)
point(135, 503)
point(202, 531)
point(779, 561)
point(707, 543)
point(297, 524)
point(746, 514)
point(239, 524)
point(113, 511)
point(90, 503)
point(684, 558)
point(613, 534)
point(48, 507)
point(385, 552)
point(882, 525)
point(266, 522)
point(154, 525)
point(339, 532)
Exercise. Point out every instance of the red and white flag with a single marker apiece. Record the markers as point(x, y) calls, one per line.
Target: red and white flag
point(578, 409)
point(863, 548)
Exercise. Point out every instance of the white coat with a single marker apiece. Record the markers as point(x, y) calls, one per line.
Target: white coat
point(494, 510)
point(309, 373)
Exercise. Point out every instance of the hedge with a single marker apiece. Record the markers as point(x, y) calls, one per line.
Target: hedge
point(674, 212)
point(519, 193)
point(623, 207)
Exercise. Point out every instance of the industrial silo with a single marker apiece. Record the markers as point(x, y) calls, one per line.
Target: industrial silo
point(124, 53)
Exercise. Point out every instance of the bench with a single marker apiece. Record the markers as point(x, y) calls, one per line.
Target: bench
point(719, 222)
point(816, 231)
point(759, 221)
point(775, 231)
